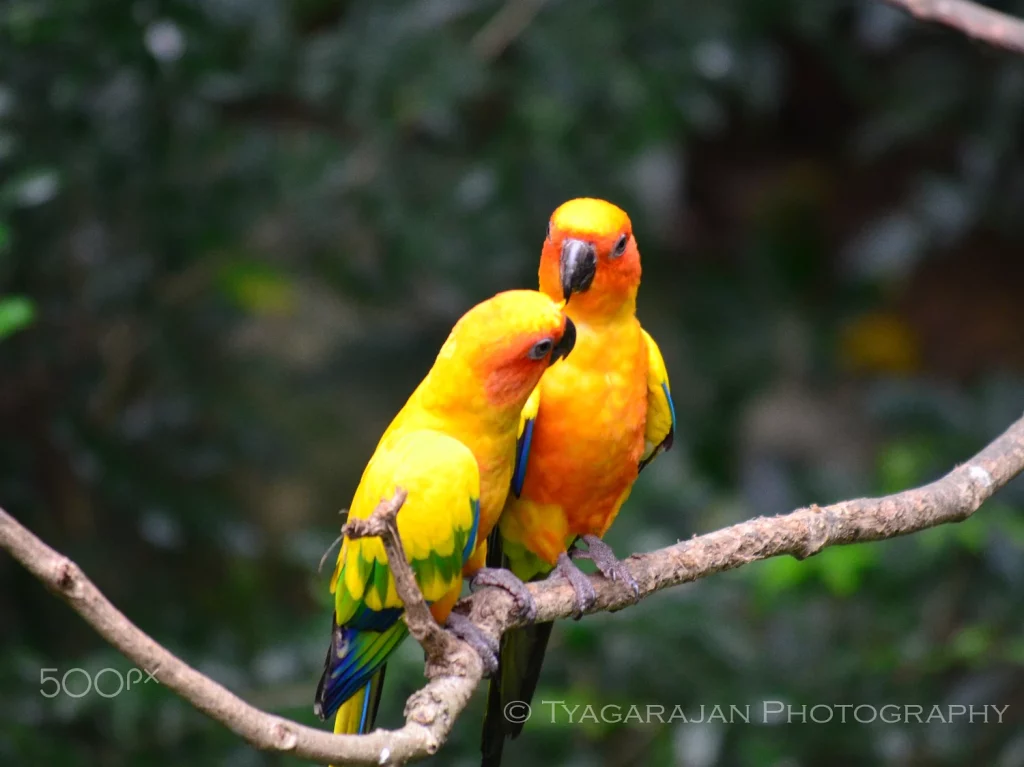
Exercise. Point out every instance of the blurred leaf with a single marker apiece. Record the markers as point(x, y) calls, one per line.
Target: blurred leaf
point(778, 574)
point(904, 463)
point(971, 643)
point(1014, 651)
point(16, 313)
point(842, 567)
point(257, 288)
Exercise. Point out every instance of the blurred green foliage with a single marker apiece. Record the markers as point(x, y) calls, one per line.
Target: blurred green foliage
point(233, 234)
point(15, 313)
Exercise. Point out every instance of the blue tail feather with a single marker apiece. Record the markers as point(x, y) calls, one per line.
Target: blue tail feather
point(354, 656)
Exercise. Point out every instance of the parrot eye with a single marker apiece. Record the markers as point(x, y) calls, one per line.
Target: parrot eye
point(540, 350)
point(620, 246)
point(548, 235)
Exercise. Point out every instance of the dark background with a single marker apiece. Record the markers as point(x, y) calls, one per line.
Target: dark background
point(233, 234)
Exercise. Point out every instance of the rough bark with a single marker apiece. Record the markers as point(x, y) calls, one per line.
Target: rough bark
point(453, 669)
point(976, 21)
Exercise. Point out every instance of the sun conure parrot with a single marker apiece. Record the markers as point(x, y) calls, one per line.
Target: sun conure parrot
point(442, 449)
point(601, 417)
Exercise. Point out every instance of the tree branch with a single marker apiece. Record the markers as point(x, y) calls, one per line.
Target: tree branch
point(431, 712)
point(977, 21)
point(503, 28)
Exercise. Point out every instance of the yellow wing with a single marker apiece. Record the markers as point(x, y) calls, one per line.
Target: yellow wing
point(437, 523)
point(661, 412)
point(438, 527)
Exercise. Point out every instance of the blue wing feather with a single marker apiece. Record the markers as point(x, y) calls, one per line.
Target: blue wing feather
point(374, 620)
point(474, 504)
point(522, 457)
point(671, 409)
point(355, 655)
point(366, 707)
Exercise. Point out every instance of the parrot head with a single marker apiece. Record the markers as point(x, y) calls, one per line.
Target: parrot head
point(590, 257)
point(508, 341)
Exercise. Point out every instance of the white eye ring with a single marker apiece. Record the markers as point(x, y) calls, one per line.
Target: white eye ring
point(620, 246)
point(541, 349)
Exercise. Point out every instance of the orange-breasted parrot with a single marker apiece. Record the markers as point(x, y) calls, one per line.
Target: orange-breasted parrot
point(441, 448)
point(600, 418)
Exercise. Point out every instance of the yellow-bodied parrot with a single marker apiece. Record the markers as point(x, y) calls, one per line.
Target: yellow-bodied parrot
point(472, 397)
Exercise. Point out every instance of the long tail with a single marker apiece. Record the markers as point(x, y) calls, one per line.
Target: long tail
point(519, 664)
point(520, 661)
point(357, 715)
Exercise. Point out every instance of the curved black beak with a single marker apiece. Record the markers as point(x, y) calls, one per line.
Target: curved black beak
point(577, 267)
point(564, 346)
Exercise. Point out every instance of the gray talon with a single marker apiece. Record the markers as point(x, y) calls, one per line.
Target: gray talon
point(601, 554)
point(507, 581)
point(486, 647)
point(585, 594)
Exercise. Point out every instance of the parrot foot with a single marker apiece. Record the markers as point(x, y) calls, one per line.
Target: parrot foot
point(486, 647)
point(601, 554)
point(506, 581)
point(585, 594)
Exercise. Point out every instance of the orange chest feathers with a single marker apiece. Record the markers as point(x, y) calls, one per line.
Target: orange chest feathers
point(589, 433)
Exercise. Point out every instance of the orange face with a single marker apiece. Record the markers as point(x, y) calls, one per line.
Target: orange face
point(512, 339)
point(516, 366)
point(590, 258)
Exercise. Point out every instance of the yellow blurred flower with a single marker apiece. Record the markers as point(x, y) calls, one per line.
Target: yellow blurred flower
point(879, 342)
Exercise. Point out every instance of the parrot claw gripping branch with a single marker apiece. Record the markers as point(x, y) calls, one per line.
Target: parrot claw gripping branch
point(505, 580)
point(601, 554)
point(461, 448)
point(432, 711)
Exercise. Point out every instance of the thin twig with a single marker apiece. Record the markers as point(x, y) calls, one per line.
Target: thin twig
point(431, 712)
point(977, 21)
point(503, 28)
